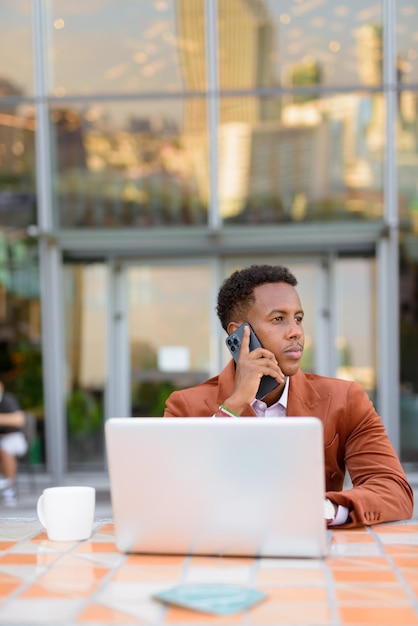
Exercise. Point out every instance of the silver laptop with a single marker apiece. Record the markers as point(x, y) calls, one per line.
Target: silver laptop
point(245, 487)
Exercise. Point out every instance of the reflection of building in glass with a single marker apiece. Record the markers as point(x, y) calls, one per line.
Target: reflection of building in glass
point(17, 150)
point(246, 59)
point(134, 172)
point(305, 74)
point(283, 159)
point(69, 136)
point(7, 88)
point(370, 53)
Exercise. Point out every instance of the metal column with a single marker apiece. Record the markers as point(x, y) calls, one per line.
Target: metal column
point(388, 247)
point(49, 267)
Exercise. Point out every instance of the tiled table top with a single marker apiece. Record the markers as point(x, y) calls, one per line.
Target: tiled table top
point(370, 577)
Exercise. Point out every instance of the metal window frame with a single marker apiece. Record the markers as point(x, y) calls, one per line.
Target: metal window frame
point(388, 246)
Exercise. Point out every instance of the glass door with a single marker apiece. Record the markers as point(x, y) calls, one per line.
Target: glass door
point(174, 336)
point(85, 288)
point(175, 340)
point(135, 332)
point(169, 326)
point(355, 312)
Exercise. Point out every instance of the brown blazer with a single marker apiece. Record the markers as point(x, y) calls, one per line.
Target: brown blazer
point(354, 439)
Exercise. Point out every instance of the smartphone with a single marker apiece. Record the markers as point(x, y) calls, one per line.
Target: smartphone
point(233, 343)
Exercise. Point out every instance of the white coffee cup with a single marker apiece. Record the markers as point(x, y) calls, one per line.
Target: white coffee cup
point(67, 513)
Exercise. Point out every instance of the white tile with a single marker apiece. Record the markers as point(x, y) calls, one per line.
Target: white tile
point(109, 559)
point(354, 549)
point(407, 539)
point(40, 611)
point(23, 572)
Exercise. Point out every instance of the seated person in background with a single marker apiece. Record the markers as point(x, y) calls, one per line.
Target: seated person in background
point(354, 436)
point(12, 443)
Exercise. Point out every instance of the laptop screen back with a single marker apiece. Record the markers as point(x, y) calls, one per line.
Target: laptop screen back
point(218, 486)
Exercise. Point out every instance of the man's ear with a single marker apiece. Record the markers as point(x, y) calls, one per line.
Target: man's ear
point(232, 327)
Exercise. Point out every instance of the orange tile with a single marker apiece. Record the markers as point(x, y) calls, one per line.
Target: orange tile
point(108, 529)
point(289, 576)
point(414, 587)
point(411, 576)
point(41, 537)
point(401, 549)
point(350, 537)
point(358, 562)
point(366, 594)
point(396, 529)
point(8, 578)
point(6, 588)
point(290, 613)
point(5, 545)
point(39, 591)
point(90, 547)
point(366, 576)
point(376, 616)
point(179, 614)
point(295, 594)
point(17, 558)
point(356, 569)
point(103, 615)
point(407, 562)
point(154, 559)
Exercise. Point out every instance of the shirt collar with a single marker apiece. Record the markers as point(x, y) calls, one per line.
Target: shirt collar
point(282, 400)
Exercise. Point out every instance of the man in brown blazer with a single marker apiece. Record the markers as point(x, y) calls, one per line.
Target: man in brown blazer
point(264, 297)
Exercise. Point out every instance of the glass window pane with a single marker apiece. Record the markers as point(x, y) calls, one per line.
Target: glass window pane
point(16, 59)
point(141, 164)
point(20, 328)
point(355, 281)
point(407, 40)
point(126, 46)
point(408, 315)
point(169, 332)
point(85, 299)
point(17, 166)
point(293, 43)
point(301, 159)
point(407, 157)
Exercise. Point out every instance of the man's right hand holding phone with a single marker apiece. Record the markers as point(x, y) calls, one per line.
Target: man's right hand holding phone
point(251, 366)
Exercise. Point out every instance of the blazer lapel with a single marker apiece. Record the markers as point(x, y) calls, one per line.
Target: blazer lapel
point(304, 400)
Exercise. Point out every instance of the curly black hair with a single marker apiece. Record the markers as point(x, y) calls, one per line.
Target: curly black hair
point(237, 292)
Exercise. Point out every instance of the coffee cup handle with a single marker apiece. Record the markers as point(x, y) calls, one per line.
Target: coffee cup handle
point(40, 510)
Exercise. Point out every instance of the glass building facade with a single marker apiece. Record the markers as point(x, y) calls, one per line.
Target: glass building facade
point(150, 147)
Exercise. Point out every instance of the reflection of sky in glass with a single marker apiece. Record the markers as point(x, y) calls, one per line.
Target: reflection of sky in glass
point(109, 46)
point(16, 64)
point(120, 46)
point(323, 32)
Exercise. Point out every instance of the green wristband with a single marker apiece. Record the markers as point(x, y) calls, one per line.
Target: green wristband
point(227, 411)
